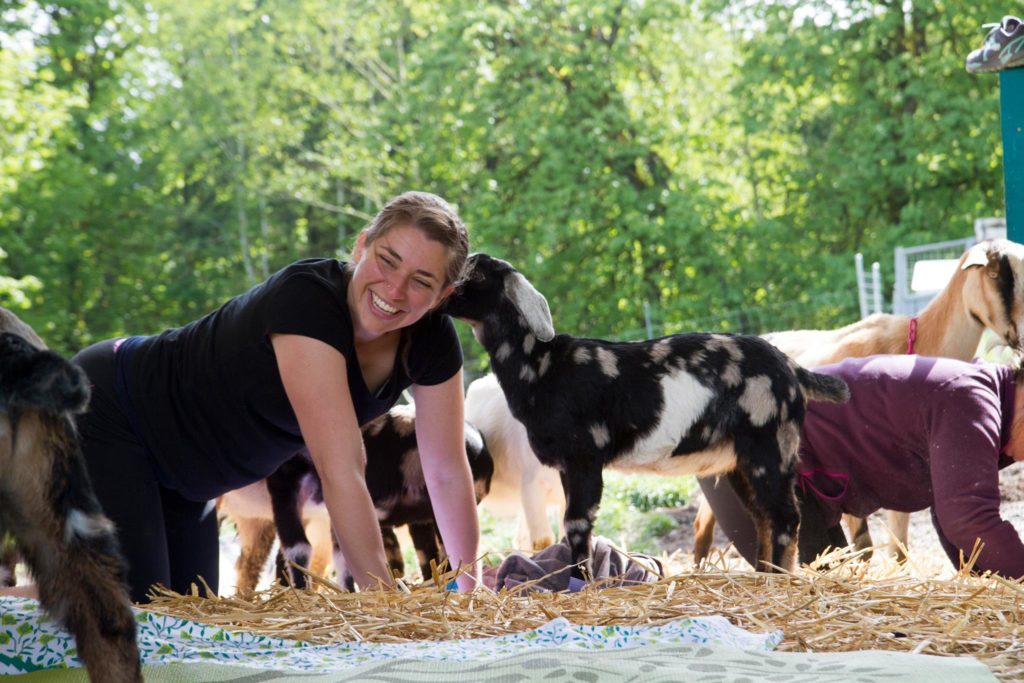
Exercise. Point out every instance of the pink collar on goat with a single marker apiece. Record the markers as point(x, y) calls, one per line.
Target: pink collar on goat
point(912, 335)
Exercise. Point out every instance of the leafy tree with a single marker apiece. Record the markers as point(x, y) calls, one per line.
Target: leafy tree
point(534, 114)
point(860, 131)
point(710, 166)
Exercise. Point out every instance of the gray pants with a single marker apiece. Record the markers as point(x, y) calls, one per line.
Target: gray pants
point(815, 535)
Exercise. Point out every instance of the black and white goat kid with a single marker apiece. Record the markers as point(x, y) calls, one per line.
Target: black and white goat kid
point(686, 404)
point(48, 506)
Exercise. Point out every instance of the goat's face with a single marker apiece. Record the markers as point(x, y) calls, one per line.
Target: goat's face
point(994, 290)
point(490, 284)
point(480, 292)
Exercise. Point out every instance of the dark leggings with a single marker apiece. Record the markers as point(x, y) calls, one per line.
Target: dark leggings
point(165, 538)
point(814, 537)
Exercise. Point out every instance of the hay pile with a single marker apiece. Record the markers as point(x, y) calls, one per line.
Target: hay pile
point(852, 606)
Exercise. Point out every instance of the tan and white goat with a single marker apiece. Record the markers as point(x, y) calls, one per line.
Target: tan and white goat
point(251, 509)
point(986, 291)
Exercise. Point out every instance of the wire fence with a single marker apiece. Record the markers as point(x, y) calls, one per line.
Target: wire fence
point(909, 297)
point(823, 311)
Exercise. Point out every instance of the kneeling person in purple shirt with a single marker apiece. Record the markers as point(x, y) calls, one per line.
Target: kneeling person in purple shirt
point(917, 432)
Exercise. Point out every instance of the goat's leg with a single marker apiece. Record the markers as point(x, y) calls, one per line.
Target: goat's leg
point(583, 486)
point(69, 545)
point(535, 511)
point(786, 525)
point(256, 538)
point(899, 529)
point(762, 526)
point(771, 475)
point(283, 486)
point(321, 540)
point(343, 576)
point(8, 561)
point(393, 551)
point(771, 501)
point(861, 535)
point(424, 539)
point(703, 531)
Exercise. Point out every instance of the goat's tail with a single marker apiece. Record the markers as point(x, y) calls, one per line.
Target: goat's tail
point(821, 387)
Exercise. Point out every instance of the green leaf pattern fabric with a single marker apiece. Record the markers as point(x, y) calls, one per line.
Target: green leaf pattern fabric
point(31, 641)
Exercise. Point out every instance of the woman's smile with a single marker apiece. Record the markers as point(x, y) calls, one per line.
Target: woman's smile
point(398, 279)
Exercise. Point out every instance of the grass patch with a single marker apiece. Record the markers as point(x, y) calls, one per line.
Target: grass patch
point(629, 515)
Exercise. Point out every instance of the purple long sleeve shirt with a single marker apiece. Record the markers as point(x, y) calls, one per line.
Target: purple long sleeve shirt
point(918, 432)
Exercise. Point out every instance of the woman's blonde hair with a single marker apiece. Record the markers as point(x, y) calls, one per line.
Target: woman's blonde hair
point(431, 214)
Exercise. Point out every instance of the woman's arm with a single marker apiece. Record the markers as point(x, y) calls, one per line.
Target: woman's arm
point(964, 447)
point(316, 381)
point(441, 440)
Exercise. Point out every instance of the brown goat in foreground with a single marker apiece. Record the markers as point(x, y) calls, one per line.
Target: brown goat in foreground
point(48, 506)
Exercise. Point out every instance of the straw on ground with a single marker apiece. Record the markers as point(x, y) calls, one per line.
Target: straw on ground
point(850, 606)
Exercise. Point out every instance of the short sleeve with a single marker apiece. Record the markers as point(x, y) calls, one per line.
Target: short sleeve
point(435, 354)
point(310, 305)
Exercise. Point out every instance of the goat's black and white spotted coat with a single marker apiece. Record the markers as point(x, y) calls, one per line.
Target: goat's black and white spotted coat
point(394, 478)
point(686, 404)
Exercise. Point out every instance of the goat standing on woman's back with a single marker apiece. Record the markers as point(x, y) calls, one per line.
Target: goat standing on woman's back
point(687, 404)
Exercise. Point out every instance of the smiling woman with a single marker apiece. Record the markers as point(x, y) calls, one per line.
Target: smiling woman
point(295, 364)
point(397, 280)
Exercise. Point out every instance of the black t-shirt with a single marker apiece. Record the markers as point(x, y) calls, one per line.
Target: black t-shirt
point(208, 398)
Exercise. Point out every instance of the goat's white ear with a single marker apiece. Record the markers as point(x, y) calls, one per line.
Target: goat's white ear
point(532, 305)
point(976, 256)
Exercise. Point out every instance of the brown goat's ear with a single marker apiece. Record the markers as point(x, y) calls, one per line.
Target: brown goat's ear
point(978, 255)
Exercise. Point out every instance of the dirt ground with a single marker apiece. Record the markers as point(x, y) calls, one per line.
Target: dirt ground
point(927, 557)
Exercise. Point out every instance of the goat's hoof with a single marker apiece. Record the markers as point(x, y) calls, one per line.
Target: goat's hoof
point(542, 543)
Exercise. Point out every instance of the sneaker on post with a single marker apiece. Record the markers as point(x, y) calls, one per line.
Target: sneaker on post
point(1003, 47)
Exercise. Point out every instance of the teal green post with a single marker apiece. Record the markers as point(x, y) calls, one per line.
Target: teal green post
point(1011, 104)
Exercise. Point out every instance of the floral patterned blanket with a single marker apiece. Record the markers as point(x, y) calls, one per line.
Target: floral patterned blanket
point(708, 647)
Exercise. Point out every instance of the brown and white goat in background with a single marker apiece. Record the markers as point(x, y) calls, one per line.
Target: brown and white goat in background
point(290, 503)
point(251, 510)
point(986, 291)
point(48, 506)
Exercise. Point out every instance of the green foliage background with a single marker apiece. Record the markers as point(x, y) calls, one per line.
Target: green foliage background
point(718, 161)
